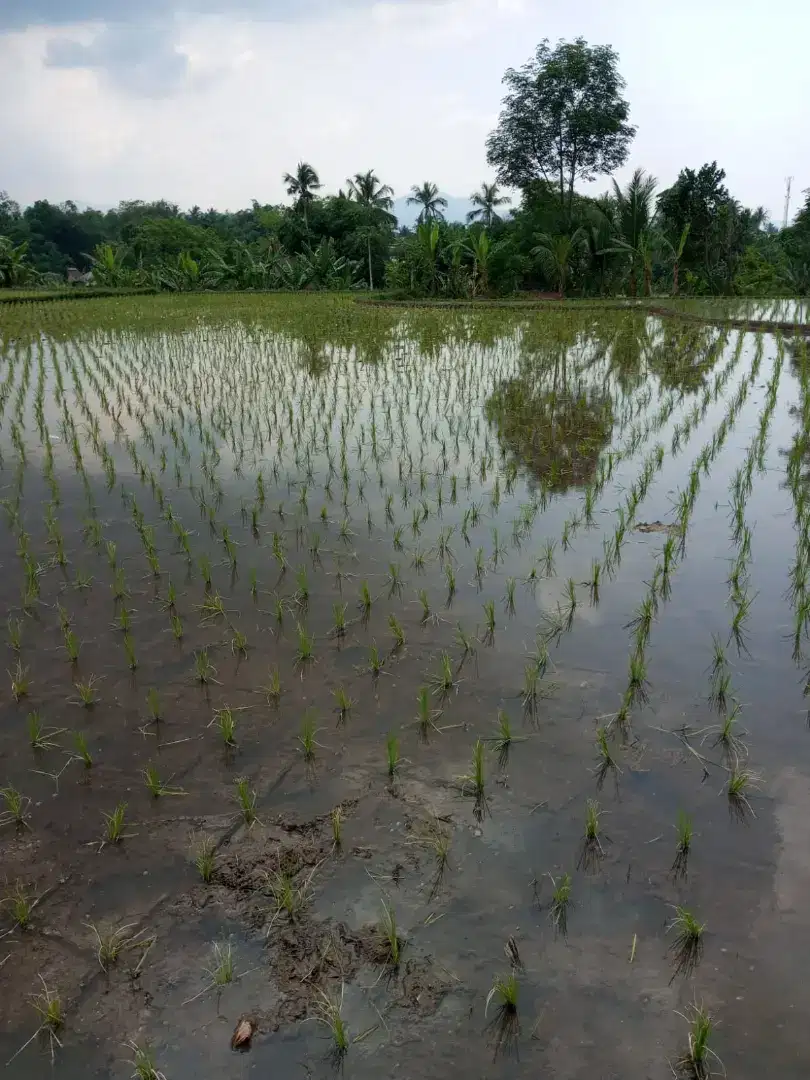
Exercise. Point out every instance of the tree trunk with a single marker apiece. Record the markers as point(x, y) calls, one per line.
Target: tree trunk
point(370, 274)
point(675, 278)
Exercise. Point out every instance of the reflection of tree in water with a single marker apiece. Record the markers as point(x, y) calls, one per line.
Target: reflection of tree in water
point(550, 422)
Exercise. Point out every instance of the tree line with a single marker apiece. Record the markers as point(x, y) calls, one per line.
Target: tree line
point(563, 121)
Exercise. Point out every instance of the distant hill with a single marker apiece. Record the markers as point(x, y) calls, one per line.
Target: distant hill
point(457, 210)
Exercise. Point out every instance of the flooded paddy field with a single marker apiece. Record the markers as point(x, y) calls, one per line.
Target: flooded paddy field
point(401, 693)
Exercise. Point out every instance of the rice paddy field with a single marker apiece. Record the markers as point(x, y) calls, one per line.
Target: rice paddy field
point(405, 693)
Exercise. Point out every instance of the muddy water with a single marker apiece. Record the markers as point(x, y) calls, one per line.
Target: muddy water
point(522, 412)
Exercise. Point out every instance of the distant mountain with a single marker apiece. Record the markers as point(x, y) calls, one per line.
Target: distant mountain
point(457, 210)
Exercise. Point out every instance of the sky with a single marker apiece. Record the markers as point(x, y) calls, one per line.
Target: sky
point(209, 102)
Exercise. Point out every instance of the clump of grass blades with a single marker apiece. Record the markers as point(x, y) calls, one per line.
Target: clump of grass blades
point(329, 1012)
point(504, 1028)
point(205, 858)
point(343, 704)
point(397, 631)
point(16, 807)
point(606, 763)
point(20, 683)
point(560, 904)
point(503, 739)
point(438, 839)
point(740, 783)
point(698, 1060)
point(732, 744)
point(48, 1007)
point(82, 751)
point(473, 783)
point(40, 737)
point(591, 851)
point(204, 670)
point(426, 716)
point(226, 725)
point(144, 1063)
point(391, 942)
point(305, 648)
point(288, 896)
point(272, 688)
point(392, 757)
point(336, 821)
point(114, 825)
point(683, 847)
point(246, 799)
point(306, 739)
point(157, 787)
point(444, 679)
point(687, 946)
point(21, 906)
point(111, 943)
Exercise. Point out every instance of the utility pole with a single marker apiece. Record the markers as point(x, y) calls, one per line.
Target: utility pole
point(788, 182)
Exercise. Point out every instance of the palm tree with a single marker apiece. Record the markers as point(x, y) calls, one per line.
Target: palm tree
point(555, 253)
point(366, 189)
point(433, 204)
point(634, 217)
point(302, 185)
point(486, 200)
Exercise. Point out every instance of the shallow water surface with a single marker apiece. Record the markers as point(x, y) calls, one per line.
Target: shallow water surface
point(574, 540)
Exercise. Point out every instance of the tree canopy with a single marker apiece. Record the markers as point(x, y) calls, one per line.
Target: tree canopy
point(563, 119)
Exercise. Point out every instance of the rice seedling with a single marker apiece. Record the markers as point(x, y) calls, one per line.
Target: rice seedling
point(111, 943)
point(436, 837)
point(205, 858)
point(16, 806)
point(698, 1061)
point(591, 851)
point(245, 799)
point(687, 945)
point(375, 661)
point(288, 896)
point(343, 704)
point(426, 716)
point(48, 1007)
point(336, 821)
point(392, 756)
point(637, 684)
point(305, 650)
point(225, 722)
point(397, 630)
point(114, 825)
point(740, 783)
point(14, 627)
point(158, 788)
point(329, 1012)
point(129, 651)
point(450, 577)
point(683, 847)
point(20, 683)
point(82, 751)
point(306, 739)
point(391, 942)
point(40, 737)
point(204, 670)
point(144, 1063)
point(272, 688)
point(443, 681)
point(503, 739)
point(489, 622)
point(728, 738)
point(720, 689)
point(473, 783)
point(606, 763)
point(504, 1028)
point(21, 906)
point(560, 904)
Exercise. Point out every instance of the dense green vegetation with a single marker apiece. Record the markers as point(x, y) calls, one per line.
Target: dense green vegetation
point(563, 120)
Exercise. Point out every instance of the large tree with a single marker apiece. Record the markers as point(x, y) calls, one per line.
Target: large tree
point(563, 119)
point(433, 204)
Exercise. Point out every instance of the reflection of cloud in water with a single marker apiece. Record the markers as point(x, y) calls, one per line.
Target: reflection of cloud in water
point(551, 592)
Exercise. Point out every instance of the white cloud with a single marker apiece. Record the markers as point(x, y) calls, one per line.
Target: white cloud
point(211, 109)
